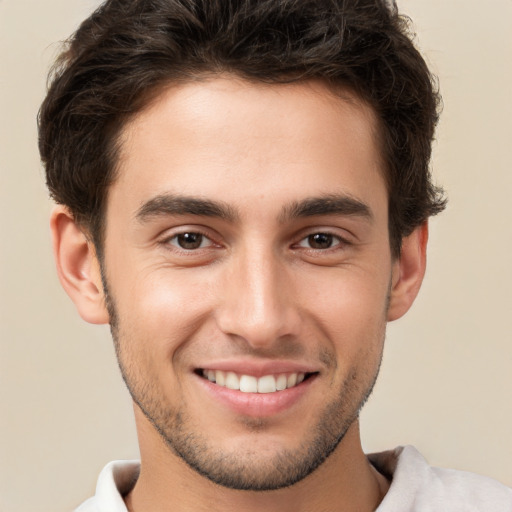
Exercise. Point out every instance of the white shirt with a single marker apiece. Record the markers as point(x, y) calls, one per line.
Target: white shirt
point(415, 486)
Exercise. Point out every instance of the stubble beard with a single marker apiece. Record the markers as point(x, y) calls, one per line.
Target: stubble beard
point(244, 471)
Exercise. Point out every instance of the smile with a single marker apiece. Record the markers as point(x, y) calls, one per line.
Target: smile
point(251, 384)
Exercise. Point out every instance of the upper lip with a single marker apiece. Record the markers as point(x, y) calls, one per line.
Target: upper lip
point(259, 368)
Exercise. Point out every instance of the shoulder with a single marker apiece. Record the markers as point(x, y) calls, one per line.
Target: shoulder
point(418, 487)
point(478, 491)
point(88, 506)
point(115, 480)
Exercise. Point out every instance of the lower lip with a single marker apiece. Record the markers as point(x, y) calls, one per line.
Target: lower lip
point(258, 405)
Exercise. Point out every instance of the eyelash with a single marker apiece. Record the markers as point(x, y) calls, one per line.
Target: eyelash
point(204, 237)
point(336, 241)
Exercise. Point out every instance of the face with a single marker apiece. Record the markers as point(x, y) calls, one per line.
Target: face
point(248, 269)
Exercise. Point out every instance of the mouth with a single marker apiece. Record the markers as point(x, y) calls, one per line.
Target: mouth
point(272, 383)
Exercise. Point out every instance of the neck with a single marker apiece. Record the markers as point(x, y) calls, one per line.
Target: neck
point(345, 481)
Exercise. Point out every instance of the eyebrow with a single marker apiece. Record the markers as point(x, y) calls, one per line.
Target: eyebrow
point(332, 204)
point(169, 204)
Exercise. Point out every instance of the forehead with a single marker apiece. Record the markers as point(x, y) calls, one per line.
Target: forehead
point(238, 141)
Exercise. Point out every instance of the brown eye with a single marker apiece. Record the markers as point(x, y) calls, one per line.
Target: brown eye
point(189, 241)
point(320, 241)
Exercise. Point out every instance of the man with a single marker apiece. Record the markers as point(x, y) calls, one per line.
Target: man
point(243, 194)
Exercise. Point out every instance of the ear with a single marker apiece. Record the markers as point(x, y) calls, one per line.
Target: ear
point(408, 272)
point(78, 267)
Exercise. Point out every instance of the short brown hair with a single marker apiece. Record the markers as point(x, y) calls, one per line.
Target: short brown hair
point(127, 49)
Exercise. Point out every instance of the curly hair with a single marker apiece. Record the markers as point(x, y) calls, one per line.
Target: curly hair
point(122, 55)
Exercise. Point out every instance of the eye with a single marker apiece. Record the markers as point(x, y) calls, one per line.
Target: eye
point(190, 241)
point(320, 241)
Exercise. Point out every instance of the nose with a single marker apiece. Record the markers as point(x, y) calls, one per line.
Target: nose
point(258, 301)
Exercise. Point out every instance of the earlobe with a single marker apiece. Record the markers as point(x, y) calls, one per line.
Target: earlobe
point(78, 267)
point(408, 272)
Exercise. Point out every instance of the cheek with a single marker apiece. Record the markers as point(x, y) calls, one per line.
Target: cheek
point(160, 311)
point(350, 297)
point(350, 307)
point(152, 295)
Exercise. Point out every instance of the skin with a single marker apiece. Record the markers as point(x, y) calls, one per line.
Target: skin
point(258, 291)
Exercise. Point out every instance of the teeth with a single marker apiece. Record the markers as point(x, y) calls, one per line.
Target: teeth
point(232, 381)
point(281, 382)
point(220, 378)
point(267, 384)
point(292, 380)
point(250, 384)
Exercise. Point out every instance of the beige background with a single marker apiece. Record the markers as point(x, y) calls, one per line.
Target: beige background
point(446, 381)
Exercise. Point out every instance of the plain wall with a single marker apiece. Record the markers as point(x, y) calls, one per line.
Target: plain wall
point(446, 380)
